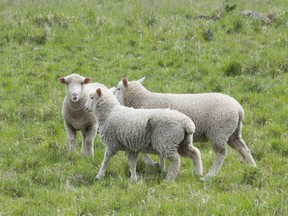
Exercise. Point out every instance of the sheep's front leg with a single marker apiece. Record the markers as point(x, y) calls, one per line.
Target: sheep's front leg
point(71, 134)
point(107, 155)
point(150, 162)
point(88, 136)
point(132, 162)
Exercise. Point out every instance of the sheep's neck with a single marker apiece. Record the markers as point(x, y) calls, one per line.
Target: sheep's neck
point(76, 106)
point(134, 99)
point(102, 112)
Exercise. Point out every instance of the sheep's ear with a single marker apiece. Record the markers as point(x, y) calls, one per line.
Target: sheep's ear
point(141, 80)
point(112, 90)
point(61, 80)
point(99, 92)
point(87, 80)
point(125, 82)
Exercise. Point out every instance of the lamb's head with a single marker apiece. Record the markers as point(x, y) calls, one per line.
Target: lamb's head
point(74, 85)
point(124, 86)
point(100, 98)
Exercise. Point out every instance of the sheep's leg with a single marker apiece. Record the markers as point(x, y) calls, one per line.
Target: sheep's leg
point(193, 153)
point(107, 155)
point(173, 166)
point(132, 162)
point(71, 134)
point(88, 137)
point(162, 164)
point(221, 151)
point(237, 143)
point(150, 162)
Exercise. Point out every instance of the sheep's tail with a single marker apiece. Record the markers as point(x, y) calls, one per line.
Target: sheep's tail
point(189, 127)
point(238, 131)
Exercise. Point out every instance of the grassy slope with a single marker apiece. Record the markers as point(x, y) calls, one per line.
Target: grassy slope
point(161, 40)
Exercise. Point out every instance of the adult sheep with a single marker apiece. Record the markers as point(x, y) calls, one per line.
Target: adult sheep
point(217, 117)
point(75, 118)
point(159, 131)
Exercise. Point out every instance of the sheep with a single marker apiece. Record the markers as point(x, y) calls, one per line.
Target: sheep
point(158, 131)
point(75, 118)
point(217, 117)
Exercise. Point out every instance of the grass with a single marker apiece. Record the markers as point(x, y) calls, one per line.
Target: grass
point(176, 52)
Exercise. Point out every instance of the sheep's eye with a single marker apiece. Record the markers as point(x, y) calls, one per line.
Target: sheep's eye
point(91, 98)
point(67, 84)
point(118, 89)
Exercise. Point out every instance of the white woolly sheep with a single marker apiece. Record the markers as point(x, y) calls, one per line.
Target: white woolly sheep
point(217, 117)
point(159, 131)
point(75, 118)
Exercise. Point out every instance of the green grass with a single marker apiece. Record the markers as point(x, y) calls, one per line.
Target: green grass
point(163, 41)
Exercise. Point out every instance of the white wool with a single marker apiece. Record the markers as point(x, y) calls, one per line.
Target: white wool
point(75, 117)
point(217, 117)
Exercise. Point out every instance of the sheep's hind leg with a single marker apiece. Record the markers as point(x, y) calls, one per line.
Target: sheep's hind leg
point(132, 162)
point(107, 155)
point(173, 168)
point(220, 149)
point(237, 143)
point(193, 153)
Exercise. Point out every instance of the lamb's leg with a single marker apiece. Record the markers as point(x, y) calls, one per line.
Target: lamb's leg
point(132, 162)
point(150, 162)
point(88, 136)
point(174, 165)
point(193, 153)
point(220, 149)
point(71, 134)
point(162, 163)
point(237, 143)
point(107, 155)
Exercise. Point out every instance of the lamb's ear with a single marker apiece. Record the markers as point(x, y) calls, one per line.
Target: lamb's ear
point(141, 80)
point(87, 80)
point(99, 92)
point(125, 82)
point(61, 80)
point(112, 90)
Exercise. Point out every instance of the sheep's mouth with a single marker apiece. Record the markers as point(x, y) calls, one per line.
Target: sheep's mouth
point(74, 99)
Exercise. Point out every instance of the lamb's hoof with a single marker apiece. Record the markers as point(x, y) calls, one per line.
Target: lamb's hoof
point(98, 177)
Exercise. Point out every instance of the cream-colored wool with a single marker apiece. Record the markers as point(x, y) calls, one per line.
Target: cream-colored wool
point(75, 118)
point(217, 117)
point(158, 131)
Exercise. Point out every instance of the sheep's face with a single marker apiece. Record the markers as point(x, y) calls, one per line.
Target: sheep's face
point(119, 93)
point(92, 101)
point(122, 88)
point(74, 86)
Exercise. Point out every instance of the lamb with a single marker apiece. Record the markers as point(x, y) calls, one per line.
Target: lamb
point(217, 117)
point(75, 118)
point(158, 131)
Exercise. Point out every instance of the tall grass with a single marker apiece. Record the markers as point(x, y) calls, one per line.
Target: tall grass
point(177, 52)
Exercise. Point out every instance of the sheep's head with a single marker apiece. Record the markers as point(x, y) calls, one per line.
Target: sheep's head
point(122, 87)
point(90, 104)
point(74, 85)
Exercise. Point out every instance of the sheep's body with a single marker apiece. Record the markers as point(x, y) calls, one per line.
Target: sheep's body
point(159, 131)
point(75, 118)
point(217, 117)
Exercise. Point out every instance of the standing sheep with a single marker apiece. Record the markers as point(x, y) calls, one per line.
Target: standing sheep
point(217, 117)
point(75, 118)
point(159, 131)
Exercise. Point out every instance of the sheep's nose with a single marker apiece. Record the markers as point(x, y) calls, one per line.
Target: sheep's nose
point(74, 96)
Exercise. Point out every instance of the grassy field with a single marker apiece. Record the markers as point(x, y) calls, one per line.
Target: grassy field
point(176, 51)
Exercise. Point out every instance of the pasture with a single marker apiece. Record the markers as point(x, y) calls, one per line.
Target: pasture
point(180, 46)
